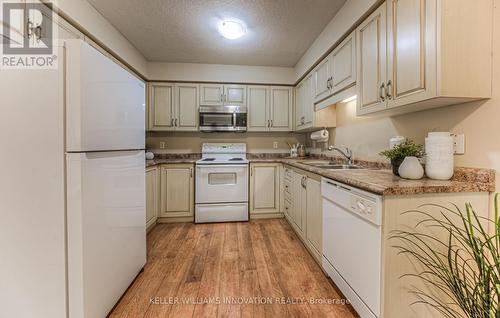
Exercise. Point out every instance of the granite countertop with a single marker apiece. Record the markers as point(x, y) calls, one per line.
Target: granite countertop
point(376, 178)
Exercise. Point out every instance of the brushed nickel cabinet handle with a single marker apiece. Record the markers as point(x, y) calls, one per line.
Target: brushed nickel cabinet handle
point(382, 92)
point(389, 89)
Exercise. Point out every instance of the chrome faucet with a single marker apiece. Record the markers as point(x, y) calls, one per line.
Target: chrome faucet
point(347, 153)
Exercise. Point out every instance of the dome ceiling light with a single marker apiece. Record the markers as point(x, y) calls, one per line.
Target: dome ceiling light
point(231, 29)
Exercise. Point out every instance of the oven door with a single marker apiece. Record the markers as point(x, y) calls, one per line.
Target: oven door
point(221, 183)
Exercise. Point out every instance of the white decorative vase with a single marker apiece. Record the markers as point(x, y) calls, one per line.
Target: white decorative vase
point(411, 168)
point(439, 163)
point(150, 155)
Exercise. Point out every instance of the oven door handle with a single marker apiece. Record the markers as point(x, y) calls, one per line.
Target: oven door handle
point(208, 166)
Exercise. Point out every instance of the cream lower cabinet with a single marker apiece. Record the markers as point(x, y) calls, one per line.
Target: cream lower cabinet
point(152, 198)
point(176, 190)
point(264, 189)
point(303, 207)
point(418, 54)
point(314, 214)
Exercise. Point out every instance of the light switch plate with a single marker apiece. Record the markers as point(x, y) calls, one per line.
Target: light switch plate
point(458, 144)
point(275, 145)
point(163, 145)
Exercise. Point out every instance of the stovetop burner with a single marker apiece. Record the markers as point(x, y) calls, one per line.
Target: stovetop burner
point(208, 159)
point(236, 159)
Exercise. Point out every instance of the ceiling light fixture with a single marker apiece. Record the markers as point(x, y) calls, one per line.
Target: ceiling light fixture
point(231, 29)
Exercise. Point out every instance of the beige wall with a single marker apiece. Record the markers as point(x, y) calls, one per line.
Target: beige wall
point(184, 142)
point(220, 73)
point(81, 12)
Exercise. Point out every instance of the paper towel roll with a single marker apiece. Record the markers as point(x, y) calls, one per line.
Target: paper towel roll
point(320, 136)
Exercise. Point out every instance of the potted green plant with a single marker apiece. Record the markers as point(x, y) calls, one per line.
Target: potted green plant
point(406, 149)
point(464, 268)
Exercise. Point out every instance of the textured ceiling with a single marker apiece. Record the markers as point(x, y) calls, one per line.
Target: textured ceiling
point(279, 31)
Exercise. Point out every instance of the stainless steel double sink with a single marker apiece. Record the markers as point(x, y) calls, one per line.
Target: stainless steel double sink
point(331, 165)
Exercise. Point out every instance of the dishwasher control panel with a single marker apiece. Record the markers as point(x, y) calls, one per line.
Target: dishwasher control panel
point(362, 203)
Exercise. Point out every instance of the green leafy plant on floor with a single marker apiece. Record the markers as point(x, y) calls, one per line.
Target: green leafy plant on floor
point(465, 267)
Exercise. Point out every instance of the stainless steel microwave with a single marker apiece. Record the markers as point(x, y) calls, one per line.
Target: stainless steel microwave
point(223, 118)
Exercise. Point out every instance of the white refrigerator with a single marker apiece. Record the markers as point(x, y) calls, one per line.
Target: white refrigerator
point(105, 164)
point(72, 191)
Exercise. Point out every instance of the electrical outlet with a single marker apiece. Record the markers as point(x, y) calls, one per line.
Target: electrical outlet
point(275, 145)
point(163, 145)
point(458, 144)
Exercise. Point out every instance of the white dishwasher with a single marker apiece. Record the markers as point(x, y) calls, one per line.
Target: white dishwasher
point(352, 240)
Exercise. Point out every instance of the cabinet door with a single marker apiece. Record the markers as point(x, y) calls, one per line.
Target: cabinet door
point(304, 106)
point(211, 94)
point(299, 100)
point(151, 196)
point(177, 189)
point(161, 107)
point(187, 115)
point(343, 65)
point(235, 95)
point(281, 109)
point(264, 188)
point(321, 75)
point(258, 108)
point(307, 102)
point(411, 36)
point(371, 48)
point(298, 201)
point(314, 215)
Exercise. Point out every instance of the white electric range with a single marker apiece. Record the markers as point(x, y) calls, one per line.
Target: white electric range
point(222, 183)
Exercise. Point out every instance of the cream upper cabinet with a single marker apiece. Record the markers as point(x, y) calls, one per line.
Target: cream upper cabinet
point(372, 59)
point(270, 108)
point(177, 190)
point(280, 112)
point(439, 53)
point(235, 95)
point(258, 108)
point(218, 94)
point(152, 198)
point(211, 94)
point(307, 118)
point(173, 107)
point(304, 104)
point(264, 188)
point(161, 106)
point(187, 107)
point(343, 65)
point(322, 80)
point(314, 214)
point(411, 49)
point(337, 71)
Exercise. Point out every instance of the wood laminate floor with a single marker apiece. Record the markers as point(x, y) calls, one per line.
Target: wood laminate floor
point(254, 269)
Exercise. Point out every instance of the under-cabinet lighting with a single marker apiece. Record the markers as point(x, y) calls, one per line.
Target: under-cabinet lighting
point(350, 99)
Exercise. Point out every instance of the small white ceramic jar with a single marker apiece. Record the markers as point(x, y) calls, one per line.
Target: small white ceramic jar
point(411, 168)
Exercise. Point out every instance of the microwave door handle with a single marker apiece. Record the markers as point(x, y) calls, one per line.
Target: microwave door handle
point(234, 120)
